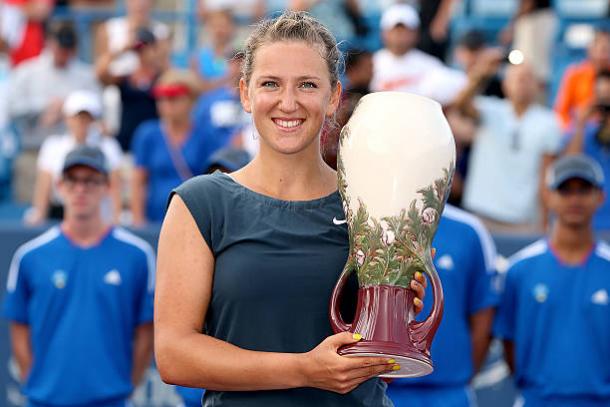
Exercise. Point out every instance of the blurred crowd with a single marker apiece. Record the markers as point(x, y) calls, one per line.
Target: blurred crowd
point(160, 122)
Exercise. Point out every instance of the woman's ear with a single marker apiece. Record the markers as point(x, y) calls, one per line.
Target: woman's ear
point(335, 98)
point(244, 95)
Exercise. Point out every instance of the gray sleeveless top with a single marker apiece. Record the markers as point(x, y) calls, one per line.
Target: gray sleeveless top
point(276, 263)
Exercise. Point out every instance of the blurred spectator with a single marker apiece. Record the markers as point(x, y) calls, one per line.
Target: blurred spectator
point(38, 88)
point(465, 256)
point(591, 136)
point(358, 73)
point(8, 138)
point(473, 54)
point(435, 16)
point(532, 31)
point(228, 160)
point(118, 35)
point(577, 83)
point(135, 88)
point(358, 76)
point(80, 299)
point(553, 316)
point(248, 9)
point(247, 139)
point(401, 67)
point(81, 110)
point(22, 27)
point(168, 151)
point(211, 62)
point(343, 17)
point(481, 65)
point(515, 141)
point(218, 115)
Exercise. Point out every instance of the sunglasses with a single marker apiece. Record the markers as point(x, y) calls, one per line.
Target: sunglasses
point(581, 190)
point(87, 182)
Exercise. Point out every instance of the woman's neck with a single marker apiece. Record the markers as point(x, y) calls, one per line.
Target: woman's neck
point(297, 177)
point(177, 129)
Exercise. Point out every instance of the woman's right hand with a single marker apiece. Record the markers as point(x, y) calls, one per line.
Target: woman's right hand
point(325, 369)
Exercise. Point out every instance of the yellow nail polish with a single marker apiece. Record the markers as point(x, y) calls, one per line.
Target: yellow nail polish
point(417, 275)
point(396, 367)
point(356, 336)
point(418, 302)
point(391, 361)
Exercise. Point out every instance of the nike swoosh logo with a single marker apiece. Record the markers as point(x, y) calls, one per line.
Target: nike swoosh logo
point(339, 221)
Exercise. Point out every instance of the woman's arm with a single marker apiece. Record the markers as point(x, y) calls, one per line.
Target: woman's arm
point(102, 68)
point(115, 195)
point(41, 199)
point(185, 356)
point(139, 181)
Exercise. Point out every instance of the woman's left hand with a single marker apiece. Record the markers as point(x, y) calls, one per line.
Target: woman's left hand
point(419, 285)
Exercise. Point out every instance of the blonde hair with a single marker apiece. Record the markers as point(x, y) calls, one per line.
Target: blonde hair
point(184, 77)
point(293, 26)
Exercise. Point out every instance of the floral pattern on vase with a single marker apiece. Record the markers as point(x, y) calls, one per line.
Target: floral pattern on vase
point(390, 250)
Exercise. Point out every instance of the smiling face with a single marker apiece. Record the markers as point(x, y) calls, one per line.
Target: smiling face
point(289, 95)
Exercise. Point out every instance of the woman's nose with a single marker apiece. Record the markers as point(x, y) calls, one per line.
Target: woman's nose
point(288, 100)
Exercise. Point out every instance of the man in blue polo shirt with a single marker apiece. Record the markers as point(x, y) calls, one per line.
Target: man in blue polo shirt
point(79, 300)
point(465, 255)
point(554, 316)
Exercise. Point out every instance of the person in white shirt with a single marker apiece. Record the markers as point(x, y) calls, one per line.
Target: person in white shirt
point(37, 90)
point(514, 143)
point(401, 67)
point(118, 33)
point(80, 111)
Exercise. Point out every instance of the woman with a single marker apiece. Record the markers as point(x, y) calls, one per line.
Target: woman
point(168, 151)
point(255, 253)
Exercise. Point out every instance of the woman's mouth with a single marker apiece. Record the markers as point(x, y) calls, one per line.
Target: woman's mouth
point(288, 124)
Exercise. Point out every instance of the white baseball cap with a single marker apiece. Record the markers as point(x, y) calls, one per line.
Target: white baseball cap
point(399, 14)
point(82, 101)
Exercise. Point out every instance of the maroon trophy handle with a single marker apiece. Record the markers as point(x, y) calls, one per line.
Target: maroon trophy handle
point(336, 321)
point(423, 332)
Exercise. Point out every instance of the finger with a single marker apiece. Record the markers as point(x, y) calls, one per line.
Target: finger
point(419, 289)
point(421, 278)
point(366, 372)
point(418, 305)
point(343, 338)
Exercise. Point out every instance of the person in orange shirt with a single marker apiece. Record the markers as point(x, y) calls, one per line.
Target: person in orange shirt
point(576, 91)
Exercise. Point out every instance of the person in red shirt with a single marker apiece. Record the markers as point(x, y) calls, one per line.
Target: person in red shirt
point(35, 12)
point(577, 85)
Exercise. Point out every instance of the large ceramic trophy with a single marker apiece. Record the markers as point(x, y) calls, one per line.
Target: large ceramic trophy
point(395, 164)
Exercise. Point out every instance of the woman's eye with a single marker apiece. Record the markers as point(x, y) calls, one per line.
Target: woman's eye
point(309, 85)
point(269, 84)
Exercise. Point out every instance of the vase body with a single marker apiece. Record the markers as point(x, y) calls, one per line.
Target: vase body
point(395, 165)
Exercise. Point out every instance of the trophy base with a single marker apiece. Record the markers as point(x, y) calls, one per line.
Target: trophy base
point(413, 363)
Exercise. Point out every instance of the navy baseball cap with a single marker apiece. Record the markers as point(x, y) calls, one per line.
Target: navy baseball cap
point(577, 166)
point(230, 158)
point(87, 156)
